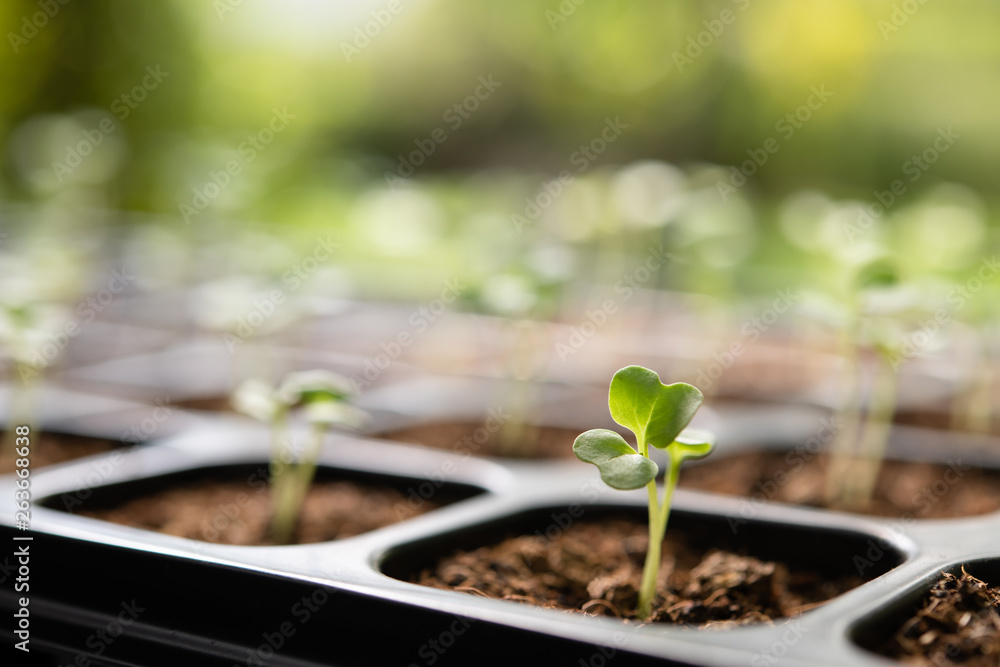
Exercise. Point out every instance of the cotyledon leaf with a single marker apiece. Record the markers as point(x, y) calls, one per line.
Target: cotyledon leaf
point(620, 466)
point(655, 412)
point(692, 444)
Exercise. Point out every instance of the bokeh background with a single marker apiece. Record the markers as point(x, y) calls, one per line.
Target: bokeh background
point(207, 146)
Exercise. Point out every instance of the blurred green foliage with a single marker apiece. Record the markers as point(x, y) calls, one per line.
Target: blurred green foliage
point(897, 72)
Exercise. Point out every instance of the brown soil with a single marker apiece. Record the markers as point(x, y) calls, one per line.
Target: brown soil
point(957, 624)
point(596, 568)
point(781, 369)
point(931, 419)
point(238, 513)
point(50, 448)
point(536, 442)
point(923, 419)
point(904, 489)
point(210, 404)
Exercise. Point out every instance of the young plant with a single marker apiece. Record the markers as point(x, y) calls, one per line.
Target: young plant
point(881, 314)
point(972, 407)
point(525, 294)
point(657, 414)
point(322, 397)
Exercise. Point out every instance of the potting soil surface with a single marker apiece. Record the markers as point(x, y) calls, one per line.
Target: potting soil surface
point(533, 442)
point(903, 489)
point(50, 448)
point(595, 567)
point(957, 624)
point(239, 513)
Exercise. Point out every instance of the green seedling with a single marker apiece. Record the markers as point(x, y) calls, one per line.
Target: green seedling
point(526, 294)
point(972, 406)
point(322, 397)
point(880, 314)
point(657, 414)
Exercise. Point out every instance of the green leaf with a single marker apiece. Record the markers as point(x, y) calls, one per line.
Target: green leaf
point(256, 399)
point(691, 444)
point(880, 272)
point(334, 412)
point(655, 412)
point(620, 466)
point(305, 387)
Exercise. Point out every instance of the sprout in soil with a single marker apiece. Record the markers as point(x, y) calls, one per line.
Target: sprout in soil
point(657, 414)
point(882, 314)
point(322, 396)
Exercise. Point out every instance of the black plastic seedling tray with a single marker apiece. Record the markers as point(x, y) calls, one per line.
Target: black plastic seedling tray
point(222, 604)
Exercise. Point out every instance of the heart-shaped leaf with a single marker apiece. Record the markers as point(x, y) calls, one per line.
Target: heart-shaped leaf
point(620, 466)
point(655, 412)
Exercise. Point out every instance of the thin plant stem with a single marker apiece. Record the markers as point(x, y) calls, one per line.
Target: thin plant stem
point(861, 484)
point(650, 569)
point(291, 492)
point(844, 444)
point(972, 410)
point(659, 514)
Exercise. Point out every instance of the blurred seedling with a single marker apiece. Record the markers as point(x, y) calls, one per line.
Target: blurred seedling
point(322, 397)
point(945, 234)
point(879, 313)
point(526, 295)
point(864, 296)
point(35, 324)
point(658, 415)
